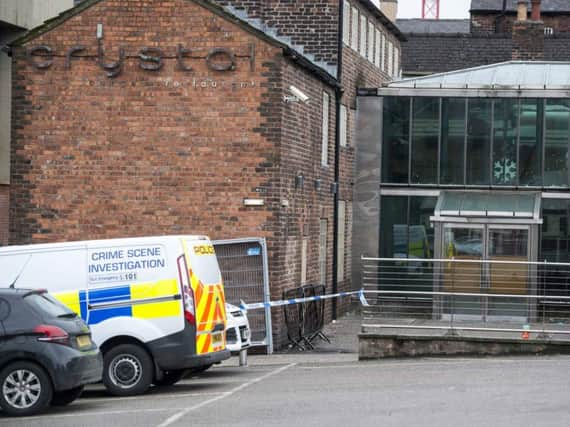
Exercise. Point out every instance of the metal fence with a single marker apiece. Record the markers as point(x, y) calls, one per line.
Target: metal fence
point(305, 320)
point(244, 267)
point(467, 297)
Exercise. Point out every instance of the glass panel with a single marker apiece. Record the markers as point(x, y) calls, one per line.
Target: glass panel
point(556, 150)
point(508, 245)
point(555, 247)
point(505, 125)
point(421, 233)
point(396, 138)
point(452, 141)
point(462, 244)
point(530, 150)
point(478, 141)
point(425, 135)
point(394, 227)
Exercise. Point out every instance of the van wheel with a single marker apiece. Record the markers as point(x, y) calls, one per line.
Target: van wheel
point(170, 377)
point(25, 389)
point(62, 398)
point(127, 370)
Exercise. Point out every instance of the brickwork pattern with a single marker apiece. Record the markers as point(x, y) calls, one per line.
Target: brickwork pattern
point(312, 24)
point(4, 210)
point(528, 41)
point(489, 23)
point(166, 152)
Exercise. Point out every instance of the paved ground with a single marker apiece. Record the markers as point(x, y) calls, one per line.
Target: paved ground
point(330, 387)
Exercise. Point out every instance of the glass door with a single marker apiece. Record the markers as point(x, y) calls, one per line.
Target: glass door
point(509, 247)
point(466, 243)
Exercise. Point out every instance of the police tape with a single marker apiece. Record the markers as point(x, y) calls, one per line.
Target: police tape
point(258, 305)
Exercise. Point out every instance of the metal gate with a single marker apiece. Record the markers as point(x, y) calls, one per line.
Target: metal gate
point(245, 272)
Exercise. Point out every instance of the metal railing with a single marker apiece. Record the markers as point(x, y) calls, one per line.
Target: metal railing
point(469, 297)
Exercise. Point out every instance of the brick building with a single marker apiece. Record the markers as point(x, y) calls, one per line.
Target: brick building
point(491, 35)
point(16, 17)
point(137, 117)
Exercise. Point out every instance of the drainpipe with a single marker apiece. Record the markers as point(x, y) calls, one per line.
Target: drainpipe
point(338, 97)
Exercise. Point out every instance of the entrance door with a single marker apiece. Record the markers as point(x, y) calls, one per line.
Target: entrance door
point(508, 246)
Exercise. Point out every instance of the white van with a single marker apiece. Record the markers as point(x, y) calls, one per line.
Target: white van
point(155, 305)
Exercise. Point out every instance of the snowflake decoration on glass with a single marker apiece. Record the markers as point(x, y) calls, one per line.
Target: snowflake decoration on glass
point(505, 171)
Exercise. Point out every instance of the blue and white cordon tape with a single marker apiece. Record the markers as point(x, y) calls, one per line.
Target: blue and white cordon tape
point(258, 305)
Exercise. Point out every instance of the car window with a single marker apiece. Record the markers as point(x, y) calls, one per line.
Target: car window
point(46, 304)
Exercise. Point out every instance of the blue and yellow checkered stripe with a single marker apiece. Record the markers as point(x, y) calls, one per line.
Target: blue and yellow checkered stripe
point(79, 299)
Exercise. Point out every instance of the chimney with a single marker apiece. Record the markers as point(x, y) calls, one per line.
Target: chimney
point(522, 10)
point(528, 35)
point(389, 8)
point(535, 14)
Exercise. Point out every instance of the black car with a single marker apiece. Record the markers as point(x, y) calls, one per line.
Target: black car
point(46, 352)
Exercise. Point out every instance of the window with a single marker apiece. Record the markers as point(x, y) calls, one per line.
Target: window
point(396, 140)
point(405, 226)
point(346, 23)
point(425, 139)
point(452, 141)
point(371, 41)
point(354, 29)
point(343, 128)
point(478, 141)
point(390, 58)
point(557, 123)
point(505, 125)
point(341, 239)
point(530, 145)
point(383, 53)
point(363, 29)
point(396, 62)
point(323, 252)
point(325, 131)
point(378, 48)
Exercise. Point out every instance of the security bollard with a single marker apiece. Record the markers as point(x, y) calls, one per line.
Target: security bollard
point(243, 357)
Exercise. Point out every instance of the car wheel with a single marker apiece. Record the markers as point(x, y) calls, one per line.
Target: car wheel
point(127, 370)
point(170, 377)
point(25, 389)
point(62, 398)
point(200, 369)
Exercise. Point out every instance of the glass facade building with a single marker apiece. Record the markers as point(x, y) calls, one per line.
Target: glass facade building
point(468, 164)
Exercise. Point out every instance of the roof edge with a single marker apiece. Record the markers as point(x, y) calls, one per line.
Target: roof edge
point(371, 7)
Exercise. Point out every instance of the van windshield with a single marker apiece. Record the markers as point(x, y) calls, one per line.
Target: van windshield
point(46, 304)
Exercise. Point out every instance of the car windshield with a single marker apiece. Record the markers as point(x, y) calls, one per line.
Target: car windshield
point(46, 304)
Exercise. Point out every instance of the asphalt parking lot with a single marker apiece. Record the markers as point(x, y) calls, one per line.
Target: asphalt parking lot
point(336, 389)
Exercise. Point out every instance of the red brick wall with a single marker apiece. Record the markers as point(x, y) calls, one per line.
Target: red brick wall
point(4, 209)
point(487, 23)
point(150, 153)
point(312, 24)
point(145, 152)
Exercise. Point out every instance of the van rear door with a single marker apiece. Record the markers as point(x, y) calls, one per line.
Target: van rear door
point(209, 298)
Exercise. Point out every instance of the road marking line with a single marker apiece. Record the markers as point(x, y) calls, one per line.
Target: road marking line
point(92, 413)
point(179, 415)
point(153, 396)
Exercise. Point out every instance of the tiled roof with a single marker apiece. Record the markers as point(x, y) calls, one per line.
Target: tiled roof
point(547, 6)
point(438, 53)
point(433, 26)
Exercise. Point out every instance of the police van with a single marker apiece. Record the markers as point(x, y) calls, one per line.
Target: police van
point(155, 305)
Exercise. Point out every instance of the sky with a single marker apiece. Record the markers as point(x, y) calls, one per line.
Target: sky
point(448, 9)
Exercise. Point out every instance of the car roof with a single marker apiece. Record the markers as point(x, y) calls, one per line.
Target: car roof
point(5, 292)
